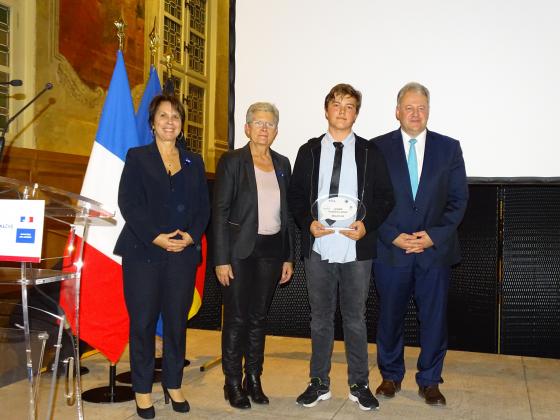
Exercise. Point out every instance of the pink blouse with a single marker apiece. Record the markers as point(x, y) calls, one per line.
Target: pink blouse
point(268, 193)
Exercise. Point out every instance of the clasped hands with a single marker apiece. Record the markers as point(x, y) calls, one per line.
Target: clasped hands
point(358, 230)
point(166, 241)
point(414, 243)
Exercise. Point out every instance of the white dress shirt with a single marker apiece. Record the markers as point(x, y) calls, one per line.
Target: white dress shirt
point(420, 148)
point(337, 248)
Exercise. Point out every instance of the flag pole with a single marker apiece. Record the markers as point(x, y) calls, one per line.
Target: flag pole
point(154, 44)
point(112, 393)
point(218, 359)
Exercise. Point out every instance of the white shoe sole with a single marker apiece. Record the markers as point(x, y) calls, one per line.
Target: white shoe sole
point(322, 397)
point(362, 407)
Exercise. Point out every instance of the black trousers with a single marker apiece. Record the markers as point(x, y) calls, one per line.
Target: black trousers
point(150, 288)
point(246, 303)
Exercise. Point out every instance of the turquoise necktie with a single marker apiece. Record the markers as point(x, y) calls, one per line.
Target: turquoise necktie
point(413, 167)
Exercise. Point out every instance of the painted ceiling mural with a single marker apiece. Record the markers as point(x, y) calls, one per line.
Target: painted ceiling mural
point(88, 40)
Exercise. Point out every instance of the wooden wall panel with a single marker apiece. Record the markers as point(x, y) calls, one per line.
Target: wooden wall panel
point(59, 170)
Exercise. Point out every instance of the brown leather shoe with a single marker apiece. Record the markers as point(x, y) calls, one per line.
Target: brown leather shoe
point(388, 388)
point(431, 394)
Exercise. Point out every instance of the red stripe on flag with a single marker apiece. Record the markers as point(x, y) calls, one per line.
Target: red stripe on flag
point(199, 281)
point(103, 314)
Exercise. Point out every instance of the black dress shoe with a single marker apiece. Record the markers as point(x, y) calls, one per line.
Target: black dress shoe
point(146, 413)
point(388, 388)
point(252, 386)
point(236, 396)
point(178, 406)
point(431, 394)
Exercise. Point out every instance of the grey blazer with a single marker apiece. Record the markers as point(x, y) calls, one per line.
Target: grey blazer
point(235, 206)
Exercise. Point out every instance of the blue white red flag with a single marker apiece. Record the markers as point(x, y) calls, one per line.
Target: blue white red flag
point(103, 314)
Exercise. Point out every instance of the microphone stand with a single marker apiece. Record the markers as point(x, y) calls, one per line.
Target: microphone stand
point(48, 86)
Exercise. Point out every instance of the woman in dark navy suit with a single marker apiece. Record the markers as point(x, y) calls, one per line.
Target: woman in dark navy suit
point(253, 249)
point(163, 199)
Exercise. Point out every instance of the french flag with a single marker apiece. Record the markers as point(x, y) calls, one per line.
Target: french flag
point(103, 316)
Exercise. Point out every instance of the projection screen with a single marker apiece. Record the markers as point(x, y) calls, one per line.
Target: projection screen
point(491, 68)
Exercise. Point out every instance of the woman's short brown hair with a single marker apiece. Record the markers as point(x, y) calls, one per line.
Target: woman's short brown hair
point(175, 103)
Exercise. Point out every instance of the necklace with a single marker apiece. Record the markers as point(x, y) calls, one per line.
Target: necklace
point(170, 161)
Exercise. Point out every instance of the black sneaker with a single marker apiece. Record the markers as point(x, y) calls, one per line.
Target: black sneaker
point(316, 391)
point(361, 394)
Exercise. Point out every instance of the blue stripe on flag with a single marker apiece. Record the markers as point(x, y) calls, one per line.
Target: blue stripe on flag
point(159, 326)
point(117, 127)
point(153, 88)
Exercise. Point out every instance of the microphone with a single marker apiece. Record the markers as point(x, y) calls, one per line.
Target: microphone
point(15, 82)
point(48, 86)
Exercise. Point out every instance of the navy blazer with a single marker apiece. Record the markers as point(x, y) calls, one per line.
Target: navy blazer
point(441, 200)
point(144, 192)
point(235, 216)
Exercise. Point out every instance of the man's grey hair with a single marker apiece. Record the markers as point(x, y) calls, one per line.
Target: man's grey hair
point(262, 107)
point(413, 87)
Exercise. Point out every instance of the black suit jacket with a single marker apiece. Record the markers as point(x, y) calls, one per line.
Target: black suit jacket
point(441, 200)
point(144, 192)
point(374, 189)
point(235, 215)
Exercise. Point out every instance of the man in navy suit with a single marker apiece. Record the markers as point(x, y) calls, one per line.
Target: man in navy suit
point(417, 244)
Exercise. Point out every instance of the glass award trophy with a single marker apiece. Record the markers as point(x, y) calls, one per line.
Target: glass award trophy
point(338, 211)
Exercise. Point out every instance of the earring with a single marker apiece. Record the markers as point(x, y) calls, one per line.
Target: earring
point(181, 139)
